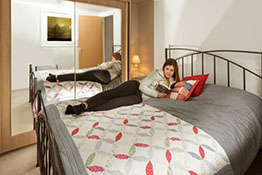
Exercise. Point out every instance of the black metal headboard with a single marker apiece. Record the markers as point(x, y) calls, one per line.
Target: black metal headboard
point(116, 48)
point(215, 56)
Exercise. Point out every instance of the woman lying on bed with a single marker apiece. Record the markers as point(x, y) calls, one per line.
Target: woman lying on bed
point(104, 75)
point(129, 92)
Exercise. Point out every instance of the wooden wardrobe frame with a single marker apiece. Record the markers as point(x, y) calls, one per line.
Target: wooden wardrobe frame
point(7, 141)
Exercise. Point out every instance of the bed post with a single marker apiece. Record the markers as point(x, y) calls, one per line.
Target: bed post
point(166, 53)
point(38, 101)
point(30, 82)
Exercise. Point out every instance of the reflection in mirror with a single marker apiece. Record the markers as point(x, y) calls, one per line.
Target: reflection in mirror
point(98, 36)
point(98, 30)
point(42, 35)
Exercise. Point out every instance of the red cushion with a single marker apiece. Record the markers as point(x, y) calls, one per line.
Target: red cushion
point(183, 90)
point(202, 79)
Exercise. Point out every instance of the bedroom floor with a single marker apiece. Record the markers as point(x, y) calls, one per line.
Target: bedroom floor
point(22, 162)
point(22, 120)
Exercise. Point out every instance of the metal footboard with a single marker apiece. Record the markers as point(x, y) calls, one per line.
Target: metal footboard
point(48, 157)
point(31, 84)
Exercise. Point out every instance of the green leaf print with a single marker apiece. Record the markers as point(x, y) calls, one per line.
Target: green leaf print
point(90, 159)
point(132, 150)
point(167, 144)
point(169, 170)
point(178, 121)
point(89, 132)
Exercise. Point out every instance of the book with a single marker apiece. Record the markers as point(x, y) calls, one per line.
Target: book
point(164, 89)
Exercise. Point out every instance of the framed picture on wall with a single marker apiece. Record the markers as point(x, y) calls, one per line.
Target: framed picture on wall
point(57, 29)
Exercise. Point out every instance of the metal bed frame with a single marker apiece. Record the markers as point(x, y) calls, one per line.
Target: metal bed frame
point(116, 48)
point(32, 78)
point(168, 54)
point(48, 157)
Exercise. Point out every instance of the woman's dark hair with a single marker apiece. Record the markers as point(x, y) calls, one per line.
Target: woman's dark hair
point(117, 56)
point(172, 62)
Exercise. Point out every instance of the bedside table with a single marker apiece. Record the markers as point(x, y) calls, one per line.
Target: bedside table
point(138, 77)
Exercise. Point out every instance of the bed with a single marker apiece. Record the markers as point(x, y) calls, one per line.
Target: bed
point(218, 132)
point(53, 92)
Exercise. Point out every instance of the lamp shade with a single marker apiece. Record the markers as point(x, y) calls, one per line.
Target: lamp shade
point(135, 59)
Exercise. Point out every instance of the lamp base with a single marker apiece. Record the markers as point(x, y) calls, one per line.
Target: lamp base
point(136, 72)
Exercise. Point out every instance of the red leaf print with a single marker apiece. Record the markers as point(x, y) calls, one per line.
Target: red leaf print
point(75, 131)
point(91, 86)
point(59, 85)
point(121, 156)
point(149, 168)
point(168, 156)
point(48, 87)
point(83, 115)
point(118, 137)
point(70, 89)
point(159, 111)
point(143, 105)
point(175, 139)
point(172, 124)
point(152, 118)
point(202, 152)
point(145, 127)
point(55, 95)
point(141, 145)
point(95, 124)
point(93, 137)
point(195, 129)
point(108, 117)
point(125, 122)
point(81, 83)
point(96, 168)
point(192, 173)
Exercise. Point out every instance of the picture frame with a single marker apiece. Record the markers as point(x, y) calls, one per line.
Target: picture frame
point(57, 28)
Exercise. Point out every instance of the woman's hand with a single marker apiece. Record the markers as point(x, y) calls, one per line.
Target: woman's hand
point(161, 95)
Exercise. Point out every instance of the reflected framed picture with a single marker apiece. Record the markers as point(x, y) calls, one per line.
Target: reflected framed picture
point(57, 29)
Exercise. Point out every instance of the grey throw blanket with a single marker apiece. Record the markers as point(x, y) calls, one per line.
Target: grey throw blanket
point(231, 116)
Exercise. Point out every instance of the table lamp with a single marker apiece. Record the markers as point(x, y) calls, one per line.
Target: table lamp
point(136, 61)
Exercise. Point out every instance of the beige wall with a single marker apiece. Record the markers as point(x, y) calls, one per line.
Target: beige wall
point(134, 32)
point(142, 35)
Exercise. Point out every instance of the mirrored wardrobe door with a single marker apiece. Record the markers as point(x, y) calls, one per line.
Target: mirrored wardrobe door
point(47, 40)
point(98, 38)
point(42, 44)
point(105, 9)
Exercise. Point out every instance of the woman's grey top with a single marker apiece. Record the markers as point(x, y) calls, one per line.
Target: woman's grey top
point(149, 84)
point(113, 67)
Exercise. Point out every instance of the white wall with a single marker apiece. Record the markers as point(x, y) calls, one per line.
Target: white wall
point(26, 36)
point(117, 27)
point(205, 24)
point(26, 44)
